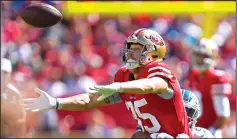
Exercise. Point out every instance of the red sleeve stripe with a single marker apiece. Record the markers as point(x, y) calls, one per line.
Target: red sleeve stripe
point(160, 68)
point(154, 74)
point(221, 88)
point(138, 32)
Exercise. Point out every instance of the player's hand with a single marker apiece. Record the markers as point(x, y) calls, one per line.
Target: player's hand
point(183, 135)
point(160, 135)
point(217, 133)
point(44, 102)
point(106, 90)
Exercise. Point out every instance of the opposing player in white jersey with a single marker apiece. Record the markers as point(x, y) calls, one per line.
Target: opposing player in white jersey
point(192, 108)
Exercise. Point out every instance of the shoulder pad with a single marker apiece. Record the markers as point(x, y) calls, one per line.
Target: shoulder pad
point(155, 63)
point(119, 74)
point(121, 70)
point(158, 69)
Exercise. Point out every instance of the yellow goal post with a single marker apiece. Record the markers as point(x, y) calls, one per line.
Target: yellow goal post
point(212, 10)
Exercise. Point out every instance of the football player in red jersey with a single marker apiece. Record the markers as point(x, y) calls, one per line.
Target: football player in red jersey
point(211, 86)
point(145, 84)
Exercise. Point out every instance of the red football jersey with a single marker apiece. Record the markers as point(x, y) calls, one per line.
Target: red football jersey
point(214, 82)
point(153, 112)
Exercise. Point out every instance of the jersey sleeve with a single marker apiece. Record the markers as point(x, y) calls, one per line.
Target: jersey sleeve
point(159, 70)
point(162, 70)
point(221, 86)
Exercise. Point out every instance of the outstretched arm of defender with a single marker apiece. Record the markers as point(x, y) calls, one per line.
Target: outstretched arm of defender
point(75, 103)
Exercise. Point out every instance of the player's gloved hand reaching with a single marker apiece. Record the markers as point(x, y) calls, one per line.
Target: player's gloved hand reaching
point(44, 102)
point(215, 132)
point(106, 90)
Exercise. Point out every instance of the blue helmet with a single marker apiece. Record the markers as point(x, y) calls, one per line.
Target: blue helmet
point(192, 106)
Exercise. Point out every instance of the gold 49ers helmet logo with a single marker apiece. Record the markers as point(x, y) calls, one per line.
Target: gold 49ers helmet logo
point(157, 40)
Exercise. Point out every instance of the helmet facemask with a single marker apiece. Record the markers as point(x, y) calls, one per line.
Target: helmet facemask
point(193, 113)
point(140, 56)
point(130, 63)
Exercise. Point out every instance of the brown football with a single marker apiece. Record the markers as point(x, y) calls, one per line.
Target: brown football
point(140, 134)
point(41, 15)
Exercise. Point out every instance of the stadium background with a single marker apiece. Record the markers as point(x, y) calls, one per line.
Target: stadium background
point(83, 50)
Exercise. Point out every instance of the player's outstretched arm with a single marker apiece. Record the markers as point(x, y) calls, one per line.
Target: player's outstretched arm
point(141, 86)
point(145, 86)
point(74, 103)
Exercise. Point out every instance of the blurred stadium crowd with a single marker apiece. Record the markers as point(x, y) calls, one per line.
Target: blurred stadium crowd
point(79, 52)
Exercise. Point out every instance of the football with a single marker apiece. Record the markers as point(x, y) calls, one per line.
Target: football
point(41, 15)
point(140, 134)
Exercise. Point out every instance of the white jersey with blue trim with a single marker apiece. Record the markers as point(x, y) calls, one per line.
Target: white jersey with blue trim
point(199, 132)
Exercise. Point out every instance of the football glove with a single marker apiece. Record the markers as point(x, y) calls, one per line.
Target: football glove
point(44, 102)
point(217, 133)
point(106, 90)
